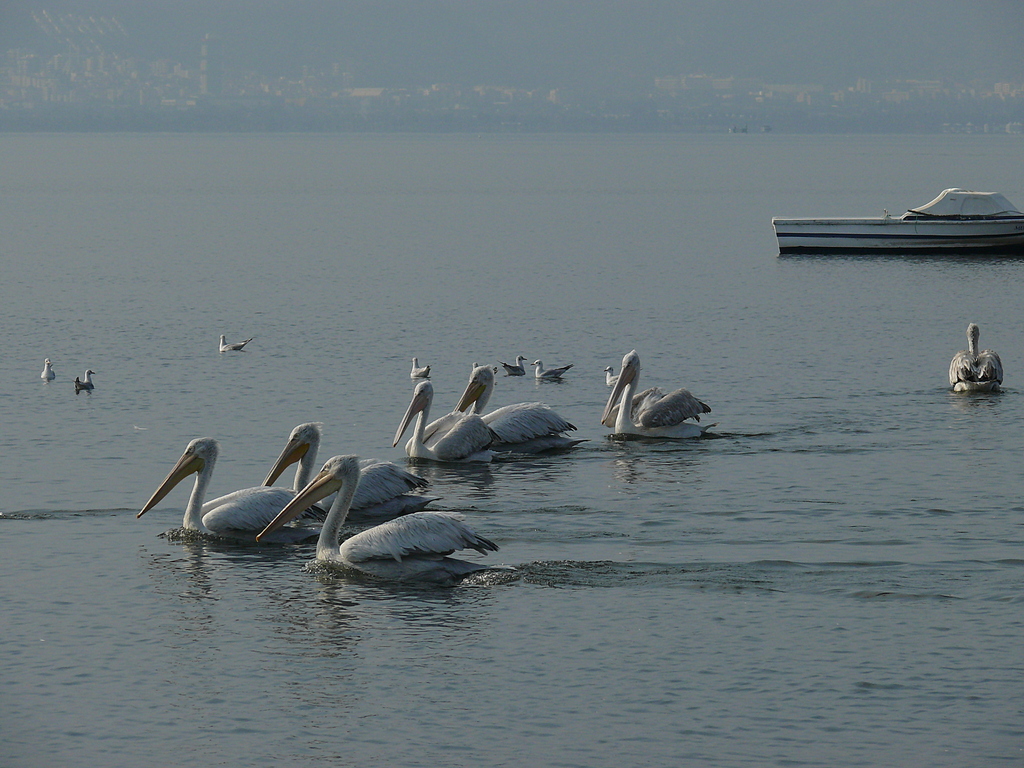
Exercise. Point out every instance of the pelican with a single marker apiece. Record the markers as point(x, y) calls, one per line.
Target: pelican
point(383, 486)
point(651, 413)
point(410, 548)
point(235, 347)
point(417, 372)
point(47, 374)
point(85, 383)
point(238, 515)
point(541, 372)
point(609, 376)
point(519, 369)
point(521, 427)
point(974, 371)
point(460, 438)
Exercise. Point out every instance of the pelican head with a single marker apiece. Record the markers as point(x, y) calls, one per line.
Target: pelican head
point(478, 390)
point(973, 335)
point(340, 472)
point(422, 396)
point(200, 456)
point(300, 441)
point(627, 375)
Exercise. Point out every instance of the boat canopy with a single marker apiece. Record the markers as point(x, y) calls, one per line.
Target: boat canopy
point(964, 203)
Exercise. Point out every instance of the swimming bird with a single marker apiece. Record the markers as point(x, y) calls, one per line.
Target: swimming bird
point(235, 347)
point(410, 548)
point(48, 373)
point(238, 515)
point(458, 438)
point(85, 383)
point(519, 369)
point(384, 487)
point(609, 376)
point(652, 412)
point(417, 372)
point(974, 371)
point(541, 372)
point(520, 427)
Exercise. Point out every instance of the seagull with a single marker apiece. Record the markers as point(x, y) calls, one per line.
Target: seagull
point(417, 372)
point(47, 374)
point(651, 413)
point(411, 548)
point(610, 377)
point(85, 384)
point(519, 369)
point(974, 371)
point(550, 373)
point(236, 347)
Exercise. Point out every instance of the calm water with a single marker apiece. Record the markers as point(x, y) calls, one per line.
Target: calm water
point(835, 579)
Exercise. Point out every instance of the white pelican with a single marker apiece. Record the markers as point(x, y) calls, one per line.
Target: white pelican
point(410, 548)
point(460, 438)
point(651, 413)
point(235, 347)
point(609, 376)
point(519, 369)
point(383, 486)
point(974, 371)
point(541, 372)
point(521, 427)
point(85, 383)
point(238, 515)
point(47, 374)
point(417, 372)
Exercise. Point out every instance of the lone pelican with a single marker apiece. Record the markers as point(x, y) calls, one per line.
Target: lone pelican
point(521, 427)
point(85, 383)
point(235, 347)
point(519, 369)
point(47, 374)
point(974, 371)
point(651, 413)
point(410, 548)
point(238, 515)
point(417, 372)
point(541, 372)
point(462, 438)
point(384, 487)
point(609, 376)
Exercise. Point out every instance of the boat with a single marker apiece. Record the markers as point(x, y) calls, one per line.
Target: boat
point(957, 220)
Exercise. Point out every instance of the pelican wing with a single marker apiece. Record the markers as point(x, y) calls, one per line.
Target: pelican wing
point(381, 481)
point(989, 366)
point(961, 367)
point(520, 422)
point(421, 534)
point(440, 427)
point(249, 509)
point(670, 410)
point(470, 435)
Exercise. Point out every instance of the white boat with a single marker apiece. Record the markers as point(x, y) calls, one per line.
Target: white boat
point(956, 220)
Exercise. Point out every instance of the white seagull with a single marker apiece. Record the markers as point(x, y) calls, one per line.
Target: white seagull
point(974, 371)
point(238, 515)
point(609, 376)
point(519, 369)
point(521, 427)
point(235, 347)
point(460, 438)
point(410, 548)
point(47, 374)
point(417, 372)
point(85, 383)
point(384, 487)
point(541, 372)
point(651, 413)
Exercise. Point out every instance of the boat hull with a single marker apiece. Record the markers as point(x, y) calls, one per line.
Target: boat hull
point(889, 234)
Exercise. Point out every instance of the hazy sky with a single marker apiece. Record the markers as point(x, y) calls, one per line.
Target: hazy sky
point(576, 42)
